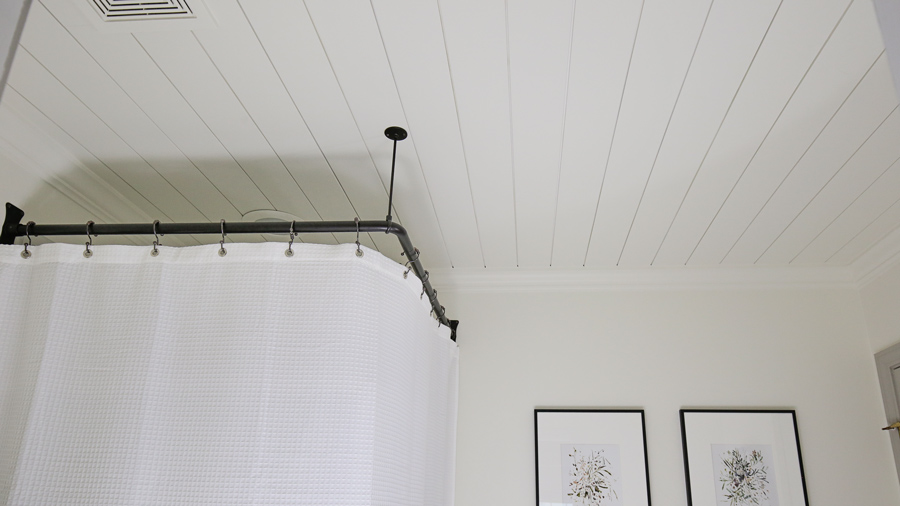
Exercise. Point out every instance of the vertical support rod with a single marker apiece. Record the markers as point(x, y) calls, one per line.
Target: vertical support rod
point(391, 192)
point(395, 134)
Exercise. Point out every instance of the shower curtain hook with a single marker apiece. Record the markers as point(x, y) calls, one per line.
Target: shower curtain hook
point(222, 251)
point(424, 279)
point(290, 252)
point(409, 261)
point(27, 254)
point(87, 246)
point(154, 252)
point(359, 251)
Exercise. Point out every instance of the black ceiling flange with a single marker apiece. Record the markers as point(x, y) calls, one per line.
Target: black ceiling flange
point(395, 133)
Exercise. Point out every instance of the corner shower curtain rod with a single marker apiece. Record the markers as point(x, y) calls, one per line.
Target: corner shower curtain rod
point(13, 228)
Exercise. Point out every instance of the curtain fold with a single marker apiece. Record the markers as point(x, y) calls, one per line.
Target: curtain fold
point(190, 378)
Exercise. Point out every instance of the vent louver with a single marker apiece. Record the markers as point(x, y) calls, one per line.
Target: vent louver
point(122, 10)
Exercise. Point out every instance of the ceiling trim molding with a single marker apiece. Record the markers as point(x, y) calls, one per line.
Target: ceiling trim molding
point(552, 279)
point(880, 258)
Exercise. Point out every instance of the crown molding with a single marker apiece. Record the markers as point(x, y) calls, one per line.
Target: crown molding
point(718, 277)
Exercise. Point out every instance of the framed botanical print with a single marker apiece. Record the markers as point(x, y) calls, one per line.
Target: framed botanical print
point(591, 457)
point(742, 458)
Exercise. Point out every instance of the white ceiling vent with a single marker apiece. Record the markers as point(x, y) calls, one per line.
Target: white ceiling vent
point(133, 10)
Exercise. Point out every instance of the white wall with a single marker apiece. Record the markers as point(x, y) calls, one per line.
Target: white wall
point(881, 302)
point(661, 351)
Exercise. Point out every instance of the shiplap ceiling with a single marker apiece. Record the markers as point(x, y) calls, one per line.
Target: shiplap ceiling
point(543, 133)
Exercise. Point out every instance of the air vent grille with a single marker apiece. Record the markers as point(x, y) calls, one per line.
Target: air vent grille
point(121, 10)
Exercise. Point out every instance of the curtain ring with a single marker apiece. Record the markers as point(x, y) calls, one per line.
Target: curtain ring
point(359, 251)
point(27, 254)
point(222, 251)
point(424, 279)
point(87, 246)
point(290, 252)
point(409, 261)
point(154, 252)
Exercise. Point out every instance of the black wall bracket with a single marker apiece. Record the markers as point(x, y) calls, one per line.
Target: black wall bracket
point(14, 216)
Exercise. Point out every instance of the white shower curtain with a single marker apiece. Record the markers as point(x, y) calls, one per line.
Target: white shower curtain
point(190, 378)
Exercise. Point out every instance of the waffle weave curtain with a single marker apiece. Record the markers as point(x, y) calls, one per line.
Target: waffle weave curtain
point(252, 379)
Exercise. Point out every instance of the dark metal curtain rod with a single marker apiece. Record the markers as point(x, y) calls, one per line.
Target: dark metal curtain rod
point(13, 228)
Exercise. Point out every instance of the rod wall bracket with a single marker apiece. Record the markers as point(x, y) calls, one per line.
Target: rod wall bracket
point(11, 223)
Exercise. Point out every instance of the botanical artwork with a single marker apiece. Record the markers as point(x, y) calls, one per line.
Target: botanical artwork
point(744, 475)
point(591, 475)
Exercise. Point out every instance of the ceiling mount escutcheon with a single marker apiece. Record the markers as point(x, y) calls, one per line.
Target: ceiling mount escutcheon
point(395, 133)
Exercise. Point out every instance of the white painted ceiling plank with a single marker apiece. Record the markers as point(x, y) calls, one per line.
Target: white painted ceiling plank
point(46, 204)
point(665, 46)
point(187, 65)
point(355, 52)
point(888, 12)
point(768, 206)
point(475, 32)
point(34, 155)
point(878, 153)
point(126, 62)
point(53, 201)
point(878, 198)
point(540, 38)
point(132, 68)
point(441, 68)
point(45, 93)
point(845, 58)
point(413, 38)
point(81, 74)
point(250, 71)
point(871, 218)
point(72, 170)
point(65, 180)
point(881, 230)
point(98, 184)
point(604, 35)
point(12, 18)
point(731, 39)
point(290, 40)
point(777, 70)
point(30, 193)
point(43, 90)
point(28, 188)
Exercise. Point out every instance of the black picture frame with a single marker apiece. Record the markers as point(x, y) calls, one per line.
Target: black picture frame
point(618, 436)
point(765, 442)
